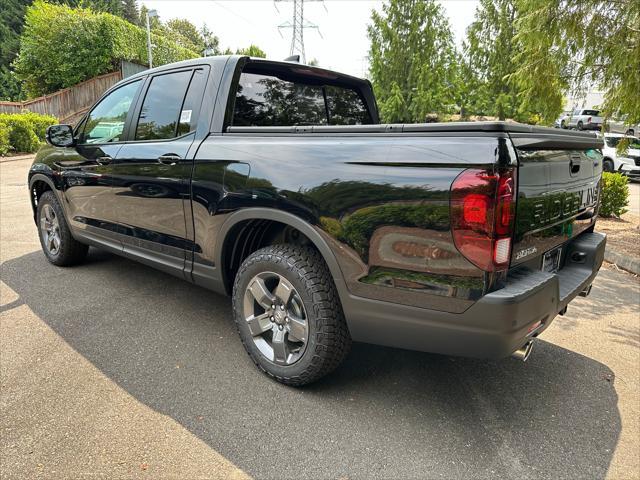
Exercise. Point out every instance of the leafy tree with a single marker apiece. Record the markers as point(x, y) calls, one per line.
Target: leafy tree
point(186, 34)
point(412, 54)
point(62, 46)
point(252, 51)
point(211, 42)
point(577, 44)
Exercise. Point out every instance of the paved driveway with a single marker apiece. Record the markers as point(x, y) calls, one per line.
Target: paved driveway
point(112, 369)
point(634, 198)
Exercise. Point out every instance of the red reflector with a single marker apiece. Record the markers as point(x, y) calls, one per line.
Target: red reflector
point(475, 208)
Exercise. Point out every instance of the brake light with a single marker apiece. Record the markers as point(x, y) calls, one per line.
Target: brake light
point(589, 120)
point(482, 216)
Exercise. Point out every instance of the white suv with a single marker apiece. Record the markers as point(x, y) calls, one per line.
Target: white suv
point(627, 164)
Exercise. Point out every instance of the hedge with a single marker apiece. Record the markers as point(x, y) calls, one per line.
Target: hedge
point(62, 46)
point(23, 132)
point(615, 194)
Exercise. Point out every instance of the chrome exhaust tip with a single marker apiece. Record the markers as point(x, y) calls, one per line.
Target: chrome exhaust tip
point(523, 352)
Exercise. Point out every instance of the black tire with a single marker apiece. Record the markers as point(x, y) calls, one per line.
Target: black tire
point(607, 165)
point(69, 251)
point(580, 126)
point(630, 132)
point(563, 124)
point(328, 340)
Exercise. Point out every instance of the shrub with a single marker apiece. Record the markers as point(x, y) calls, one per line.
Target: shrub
point(615, 194)
point(23, 132)
point(62, 46)
point(4, 138)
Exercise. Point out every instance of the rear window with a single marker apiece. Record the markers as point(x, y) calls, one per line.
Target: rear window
point(593, 113)
point(265, 100)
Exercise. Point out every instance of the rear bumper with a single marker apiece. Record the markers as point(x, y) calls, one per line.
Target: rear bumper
point(493, 327)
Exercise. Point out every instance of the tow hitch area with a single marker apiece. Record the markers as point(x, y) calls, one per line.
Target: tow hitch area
point(586, 291)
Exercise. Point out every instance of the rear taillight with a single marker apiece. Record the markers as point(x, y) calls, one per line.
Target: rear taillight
point(482, 216)
point(589, 120)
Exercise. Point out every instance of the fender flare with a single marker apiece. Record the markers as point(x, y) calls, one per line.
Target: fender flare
point(40, 177)
point(260, 213)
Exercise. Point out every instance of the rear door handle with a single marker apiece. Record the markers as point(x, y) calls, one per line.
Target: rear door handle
point(104, 160)
point(169, 159)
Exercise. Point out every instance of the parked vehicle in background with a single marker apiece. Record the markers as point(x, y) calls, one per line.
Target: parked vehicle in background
point(563, 120)
point(627, 163)
point(585, 119)
point(275, 183)
point(620, 125)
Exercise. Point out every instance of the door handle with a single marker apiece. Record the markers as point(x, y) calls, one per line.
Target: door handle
point(104, 160)
point(169, 159)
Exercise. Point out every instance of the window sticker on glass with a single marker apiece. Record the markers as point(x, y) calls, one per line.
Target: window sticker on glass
point(185, 116)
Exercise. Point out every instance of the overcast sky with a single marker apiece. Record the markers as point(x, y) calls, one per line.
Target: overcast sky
point(343, 24)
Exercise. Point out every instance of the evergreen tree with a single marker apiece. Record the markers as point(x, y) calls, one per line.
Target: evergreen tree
point(130, 11)
point(412, 60)
point(490, 47)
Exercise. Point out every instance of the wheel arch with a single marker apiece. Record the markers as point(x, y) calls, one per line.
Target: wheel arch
point(38, 184)
point(312, 233)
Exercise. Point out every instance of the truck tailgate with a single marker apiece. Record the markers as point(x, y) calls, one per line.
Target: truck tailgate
point(558, 192)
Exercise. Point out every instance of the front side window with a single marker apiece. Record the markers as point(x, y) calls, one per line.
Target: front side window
point(106, 121)
point(161, 111)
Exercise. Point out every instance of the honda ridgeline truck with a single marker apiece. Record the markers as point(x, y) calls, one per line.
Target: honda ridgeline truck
point(275, 183)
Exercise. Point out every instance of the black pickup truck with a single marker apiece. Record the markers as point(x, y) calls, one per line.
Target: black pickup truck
point(275, 183)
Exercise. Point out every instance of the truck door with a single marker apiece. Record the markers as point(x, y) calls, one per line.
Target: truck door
point(89, 163)
point(151, 172)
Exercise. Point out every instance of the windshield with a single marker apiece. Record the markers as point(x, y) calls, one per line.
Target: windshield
point(614, 141)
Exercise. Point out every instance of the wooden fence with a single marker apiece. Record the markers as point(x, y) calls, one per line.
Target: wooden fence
point(69, 104)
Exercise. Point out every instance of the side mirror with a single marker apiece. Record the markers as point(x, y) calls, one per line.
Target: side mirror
point(60, 136)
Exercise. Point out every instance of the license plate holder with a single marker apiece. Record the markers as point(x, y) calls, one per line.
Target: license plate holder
point(551, 260)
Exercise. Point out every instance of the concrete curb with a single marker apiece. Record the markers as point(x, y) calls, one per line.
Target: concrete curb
point(17, 158)
point(625, 262)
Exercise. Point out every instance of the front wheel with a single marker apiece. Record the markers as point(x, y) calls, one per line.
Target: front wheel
point(607, 165)
point(56, 240)
point(288, 314)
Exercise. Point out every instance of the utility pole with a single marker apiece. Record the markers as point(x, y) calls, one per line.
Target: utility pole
point(150, 14)
point(297, 25)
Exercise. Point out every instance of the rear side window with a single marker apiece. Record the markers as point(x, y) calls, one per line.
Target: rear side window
point(161, 111)
point(345, 107)
point(264, 100)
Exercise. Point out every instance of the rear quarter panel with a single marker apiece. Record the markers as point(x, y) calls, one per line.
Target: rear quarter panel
point(381, 202)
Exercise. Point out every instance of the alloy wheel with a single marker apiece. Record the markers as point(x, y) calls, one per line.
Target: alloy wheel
point(50, 228)
point(276, 317)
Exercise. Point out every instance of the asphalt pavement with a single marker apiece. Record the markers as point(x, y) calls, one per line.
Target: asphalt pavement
point(114, 370)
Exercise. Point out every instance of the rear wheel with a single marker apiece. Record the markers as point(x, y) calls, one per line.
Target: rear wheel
point(607, 165)
point(580, 126)
point(288, 314)
point(58, 244)
point(630, 132)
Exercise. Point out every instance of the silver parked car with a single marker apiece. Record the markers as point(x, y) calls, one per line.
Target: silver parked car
point(563, 120)
point(620, 125)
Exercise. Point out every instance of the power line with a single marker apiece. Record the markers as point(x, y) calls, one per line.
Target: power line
point(297, 25)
